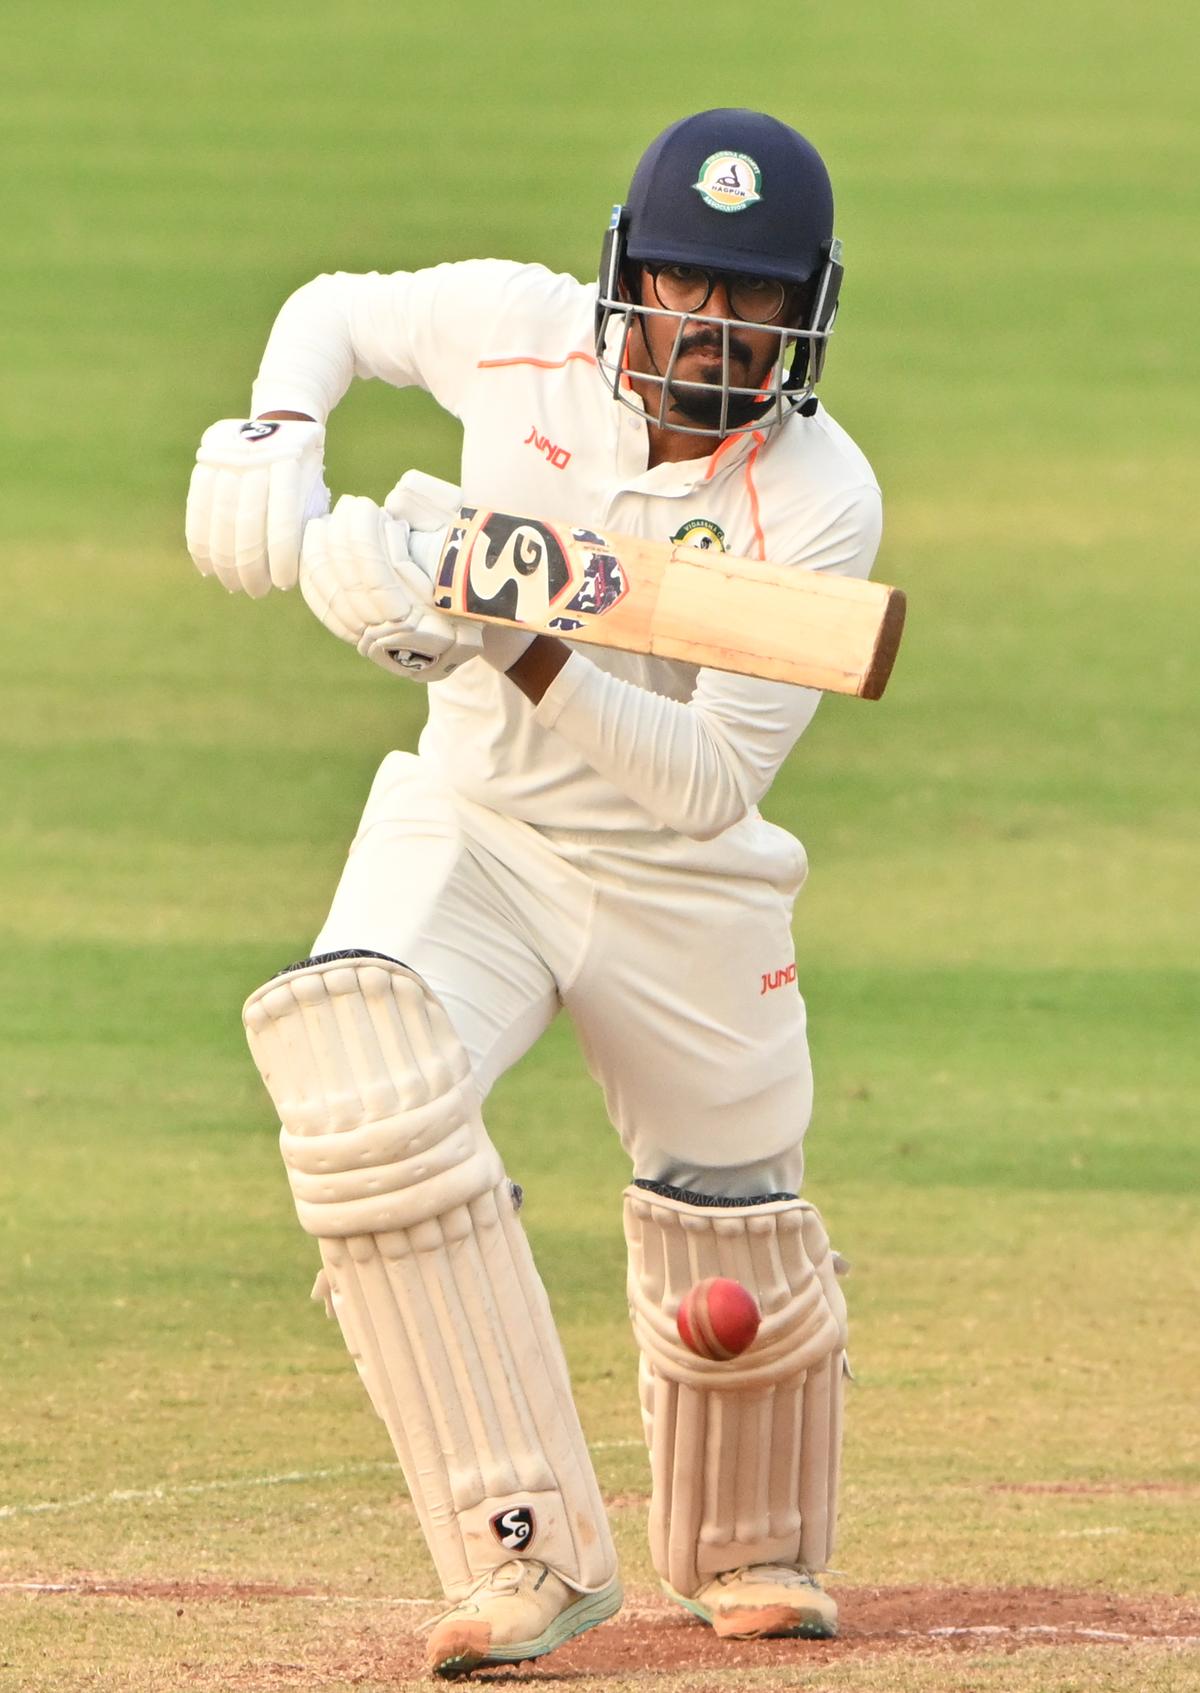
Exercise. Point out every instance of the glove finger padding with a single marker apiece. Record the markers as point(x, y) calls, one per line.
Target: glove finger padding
point(243, 565)
point(423, 501)
point(349, 585)
point(319, 583)
point(291, 503)
point(444, 643)
point(366, 548)
point(376, 544)
point(426, 646)
point(427, 507)
point(357, 576)
point(254, 484)
point(196, 523)
point(221, 528)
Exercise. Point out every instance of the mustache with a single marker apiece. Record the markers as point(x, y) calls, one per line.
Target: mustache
point(709, 341)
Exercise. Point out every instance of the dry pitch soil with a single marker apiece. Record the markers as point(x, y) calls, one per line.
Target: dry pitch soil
point(651, 1634)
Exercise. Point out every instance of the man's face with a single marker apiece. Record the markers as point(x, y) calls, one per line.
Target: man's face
point(753, 347)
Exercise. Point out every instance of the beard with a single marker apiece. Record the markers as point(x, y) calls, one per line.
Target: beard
point(704, 407)
point(704, 404)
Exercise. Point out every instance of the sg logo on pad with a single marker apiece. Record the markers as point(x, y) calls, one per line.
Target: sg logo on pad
point(515, 1528)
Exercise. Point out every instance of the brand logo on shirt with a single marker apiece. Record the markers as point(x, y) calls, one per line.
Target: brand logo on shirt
point(729, 182)
point(559, 457)
point(701, 532)
point(773, 979)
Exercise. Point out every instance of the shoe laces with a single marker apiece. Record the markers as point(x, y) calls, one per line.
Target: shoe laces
point(786, 1575)
point(505, 1578)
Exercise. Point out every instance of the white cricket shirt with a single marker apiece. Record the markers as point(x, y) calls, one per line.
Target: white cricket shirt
point(634, 752)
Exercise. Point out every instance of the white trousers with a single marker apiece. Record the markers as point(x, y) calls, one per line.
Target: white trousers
point(681, 984)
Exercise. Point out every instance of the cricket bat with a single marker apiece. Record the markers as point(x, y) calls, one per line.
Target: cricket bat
point(673, 601)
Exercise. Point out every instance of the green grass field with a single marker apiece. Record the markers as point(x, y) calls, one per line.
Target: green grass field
point(997, 941)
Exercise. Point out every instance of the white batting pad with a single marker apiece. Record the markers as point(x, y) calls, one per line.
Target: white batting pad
point(745, 1453)
point(429, 1271)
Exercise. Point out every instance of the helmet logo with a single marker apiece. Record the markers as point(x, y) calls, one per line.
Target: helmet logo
point(729, 182)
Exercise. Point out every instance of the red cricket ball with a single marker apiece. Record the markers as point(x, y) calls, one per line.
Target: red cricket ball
point(718, 1318)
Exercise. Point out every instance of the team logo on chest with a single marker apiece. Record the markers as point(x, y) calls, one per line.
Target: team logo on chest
point(729, 182)
point(700, 532)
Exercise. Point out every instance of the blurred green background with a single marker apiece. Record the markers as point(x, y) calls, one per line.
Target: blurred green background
point(998, 939)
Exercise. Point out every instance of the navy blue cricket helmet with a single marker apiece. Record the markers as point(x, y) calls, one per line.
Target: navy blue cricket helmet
point(736, 192)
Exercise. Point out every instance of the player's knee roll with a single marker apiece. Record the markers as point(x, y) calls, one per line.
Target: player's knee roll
point(778, 1251)
point(380, 1126)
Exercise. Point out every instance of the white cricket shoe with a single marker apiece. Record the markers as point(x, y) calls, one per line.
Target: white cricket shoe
point(761, 1600)
point(519, 1610)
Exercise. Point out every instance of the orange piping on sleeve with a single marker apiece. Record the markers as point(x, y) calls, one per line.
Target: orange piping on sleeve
point(542, 364)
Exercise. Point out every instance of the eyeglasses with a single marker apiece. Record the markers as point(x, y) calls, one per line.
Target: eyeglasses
point(688, 288)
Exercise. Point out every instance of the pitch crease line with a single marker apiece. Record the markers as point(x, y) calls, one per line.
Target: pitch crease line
point(230, 1484)
point(179, 1490)
point(127, 1590)
point(1076, 1630)
point(120, 1590)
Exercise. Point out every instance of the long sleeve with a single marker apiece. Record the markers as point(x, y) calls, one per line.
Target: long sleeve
point(698, 766)
point(422, 328)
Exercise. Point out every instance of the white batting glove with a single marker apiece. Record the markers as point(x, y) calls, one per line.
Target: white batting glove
point(428, 504)
point(369, 580)
point(255, 485)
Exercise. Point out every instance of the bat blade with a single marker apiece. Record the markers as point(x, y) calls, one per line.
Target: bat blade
point(708, 608)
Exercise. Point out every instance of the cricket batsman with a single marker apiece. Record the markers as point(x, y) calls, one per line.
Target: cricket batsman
point(576, 831)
